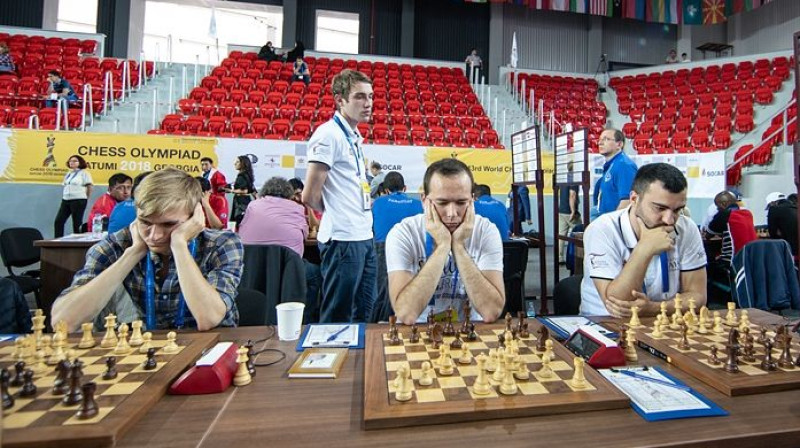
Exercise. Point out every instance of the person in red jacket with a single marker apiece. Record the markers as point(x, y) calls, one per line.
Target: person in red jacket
point(119, 189)
point(214, 176)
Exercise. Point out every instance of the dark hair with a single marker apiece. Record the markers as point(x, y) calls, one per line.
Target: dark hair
point(207, 159)
point(481, 190)
point(792, 198)
point(671, 177)
point(246, 167)
point(446, 167)
point(205, 185)
point(393, 182)
point(376, 165)
point(118, 178)
point(138, 179)
point(81, 161)
point(296, 183)
point(54, 73)
point(619, 137)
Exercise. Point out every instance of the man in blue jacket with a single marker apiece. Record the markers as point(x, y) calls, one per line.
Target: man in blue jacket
point(612, 190)
point(491, 209)
point(394, 207)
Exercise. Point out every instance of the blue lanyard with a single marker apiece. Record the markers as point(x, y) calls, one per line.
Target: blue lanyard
point(664, 275)
point(429, 252)
point(68, 178)
point(354, 149)
point(150, 294)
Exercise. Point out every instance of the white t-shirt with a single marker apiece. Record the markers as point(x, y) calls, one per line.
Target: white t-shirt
point(607, 245)
point(75, 183)
point(406, 251)
point(345, 218)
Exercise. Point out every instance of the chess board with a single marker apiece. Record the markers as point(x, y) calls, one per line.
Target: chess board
point(751, 379)
point(43, 421)
point(450, 398)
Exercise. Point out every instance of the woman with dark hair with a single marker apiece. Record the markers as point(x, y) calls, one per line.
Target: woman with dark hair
point(243, 188)
point(77, 190)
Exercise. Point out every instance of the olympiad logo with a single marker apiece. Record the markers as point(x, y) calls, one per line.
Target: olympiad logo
point(50, 159)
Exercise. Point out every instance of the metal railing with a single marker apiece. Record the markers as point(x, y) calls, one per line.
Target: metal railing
point(783, 129)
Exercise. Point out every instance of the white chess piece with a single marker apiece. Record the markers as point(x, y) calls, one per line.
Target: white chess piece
point(87, 340)
point(404, 390)
point(578, 379)
point(481, 385)
point(146, 343)
point(426, 377)
point(242, 377)
point(171, 346)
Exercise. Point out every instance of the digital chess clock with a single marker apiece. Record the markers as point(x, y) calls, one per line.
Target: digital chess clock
point(599, 351)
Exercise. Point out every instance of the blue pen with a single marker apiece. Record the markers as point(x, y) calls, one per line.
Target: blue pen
point(333, 337)
point(653, 380)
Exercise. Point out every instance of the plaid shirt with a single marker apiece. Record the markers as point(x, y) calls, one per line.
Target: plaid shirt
point(6, 63)
point(219, 257)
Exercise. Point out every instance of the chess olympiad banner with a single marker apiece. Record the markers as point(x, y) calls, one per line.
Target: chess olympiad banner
point(40, 157)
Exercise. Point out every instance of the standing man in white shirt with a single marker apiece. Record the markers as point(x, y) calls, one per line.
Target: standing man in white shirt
point(336, 184)
point(646, 253)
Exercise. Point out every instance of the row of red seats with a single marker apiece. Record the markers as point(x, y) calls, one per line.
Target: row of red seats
point(650, 128)
point(682, 142)
point(19, 117)
point(643, 80)
point(40, 43)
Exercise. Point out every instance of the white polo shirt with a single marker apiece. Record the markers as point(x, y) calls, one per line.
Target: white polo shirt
point(345, 218)
point(406, 250)
point(75, 183)
point(607, 245)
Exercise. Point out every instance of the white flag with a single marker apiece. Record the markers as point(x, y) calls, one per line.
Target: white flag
point(212, 24)
point(514, 51)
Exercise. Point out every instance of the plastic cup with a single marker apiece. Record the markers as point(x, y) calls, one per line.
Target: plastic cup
point(290, 320)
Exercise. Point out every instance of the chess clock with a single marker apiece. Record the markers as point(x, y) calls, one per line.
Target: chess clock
point(598, 350)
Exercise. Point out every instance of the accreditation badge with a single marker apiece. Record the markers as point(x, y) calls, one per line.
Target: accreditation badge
point(366, 200)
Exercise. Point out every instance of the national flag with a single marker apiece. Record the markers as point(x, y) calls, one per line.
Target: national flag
point(713, 12)
point(212, 24)
point(577, 6)
point(674, 11)
point(559, 5)
point(656, 11)
point(692, 12)
point(514, 51)
point(615, 8)
point(598, 7)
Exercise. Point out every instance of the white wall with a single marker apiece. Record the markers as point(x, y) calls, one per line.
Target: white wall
point(778, 177)
point(768, 28)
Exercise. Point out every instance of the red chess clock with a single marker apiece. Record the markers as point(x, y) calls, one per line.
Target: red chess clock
point(211, 374)
point(599, 351)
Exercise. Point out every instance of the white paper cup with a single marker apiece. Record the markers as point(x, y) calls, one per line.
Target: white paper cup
point(290, 320)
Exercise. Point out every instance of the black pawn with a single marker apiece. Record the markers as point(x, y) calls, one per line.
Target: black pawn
point(74, 395)
point(251, 353)
point(88, 407)
point(28, 388)
point(111, 368)
point(8, 400)
point(61, 385)
point(150, 364)
point(18, 380)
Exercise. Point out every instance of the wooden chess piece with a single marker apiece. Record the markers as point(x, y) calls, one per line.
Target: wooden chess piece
point(622, 340)
point(426, 377)
point(500, 372)
point(768, 363)
point(718, 328)
point(544, 335)
point(548, 350)
point(446, 366)
point(404, 390)
point(663, 314)
point(714, 357)
point(466, 355)
point(678, 304)
point(785, 361)
point(19, 369)
point(457, 343)
point(8, 399)
point(28, 388)
point(150, 363)
point(692, 308)
point(732, 348)
point(730, 317)
point(481, 385)
point(110, 338)
point(146, 343)
point(111, 368)
point(251, 353)
point(19, 348)
point(635, 322)
point(657, 328)
point(545, 371)
point(501, 341)
point(89, 406)
point(136, 334)
point(508, 321)
point(122, 348)
point(393, 336)
point(75, 394)
point(437, 335)
point(777, 341)
point(630, 349)
point(522, 372)
point(762, 338)
point(87, 340)
point(684, 344)
point(40, 366)
point(579, 378)
point(472, 336)
point(508, 386)
point(491, 363)
point(242, 377)
point(448, 329)
point(61, 382)
point(467, 309)
point(414, 334)
point(47, 348)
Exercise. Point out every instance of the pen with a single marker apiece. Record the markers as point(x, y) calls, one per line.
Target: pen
point(333, 337)
point(654, 380)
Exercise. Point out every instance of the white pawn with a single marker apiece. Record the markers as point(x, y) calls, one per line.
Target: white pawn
point(40, 366)
point(446, 367)
point(500, 373)
point(491, 364)
point(508, 385)
point(664, 316)
point(47, 348)
point(718, 329)
point(546, 371)
point(87, 340)
point(578, 379)
point(136, 334)
point(692, 307)
point(548, 350)
point(705, 316)
point(481, 385)
point(744, 321)
point(466, 355)
point(171, 346)
point(58, 353)
point(522, 372)
point(110, 338)
point(730, 317)
point(242, 377)
point(657, 328)
point(426, 377)
point(19, 348)
point(635, 322)
point(122, 347)
point(146, 343)
point(630, 348)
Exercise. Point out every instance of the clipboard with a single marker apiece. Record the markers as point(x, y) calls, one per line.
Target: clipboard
point(362, 328)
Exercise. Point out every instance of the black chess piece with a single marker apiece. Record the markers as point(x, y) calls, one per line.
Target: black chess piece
point(28, 388)
point(61, 383)
point(75, 394)
point(5, 378)
point(472, 336)
point(785, 360)
point(544, 335)
point(457, 343)
point(414, 334)
point(88, 407)
point(768, 363)
point(714, 358)
point(19, 369)
point(467, 313)
point(732, 348)
point(150, 363)
point(111, 368)
point(251, 353)
point(449, 330)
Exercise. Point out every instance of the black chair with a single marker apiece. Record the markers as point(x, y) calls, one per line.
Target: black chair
point(252, 307)
point(515, 263)
point(17, 251)
point(277, 272)
point(567, 296)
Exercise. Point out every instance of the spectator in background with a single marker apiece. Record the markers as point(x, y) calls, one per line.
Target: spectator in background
point(59, 88)
point(312, 215)
point(523, 205)
point(568, 215)
point(392, 208)
point(378, 175)
point(685, 58)
point(125, 212)
point(119, 189)
point(214, 176)
point(267, 53)
point(299, 51)
point(77, 190)
point(243, 188)
point(491, 209)
point(782, 220)
point(612, 190)
point(300, 71)
point(7, 66)
point(214, 207)
point(15, 314)
point(473, 62)
point(672, 58)
point(274, 218)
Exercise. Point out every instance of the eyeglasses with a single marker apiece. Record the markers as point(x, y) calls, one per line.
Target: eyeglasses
point(607, 139)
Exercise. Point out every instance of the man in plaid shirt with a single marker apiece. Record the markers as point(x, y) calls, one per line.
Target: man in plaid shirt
point(169, 216)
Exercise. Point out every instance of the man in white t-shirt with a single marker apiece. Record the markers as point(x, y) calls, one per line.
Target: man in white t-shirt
point(646, 253)
point(447, 255)
point(336, 183)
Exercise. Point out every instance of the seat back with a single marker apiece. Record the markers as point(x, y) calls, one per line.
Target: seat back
point(567, 296)
point(765, 276)
point(279, 273)
point(252, 305)
point(16, 247)
point(515, 263)
point(742, 229)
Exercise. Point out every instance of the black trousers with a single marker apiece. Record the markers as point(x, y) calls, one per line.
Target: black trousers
point(71, 207)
